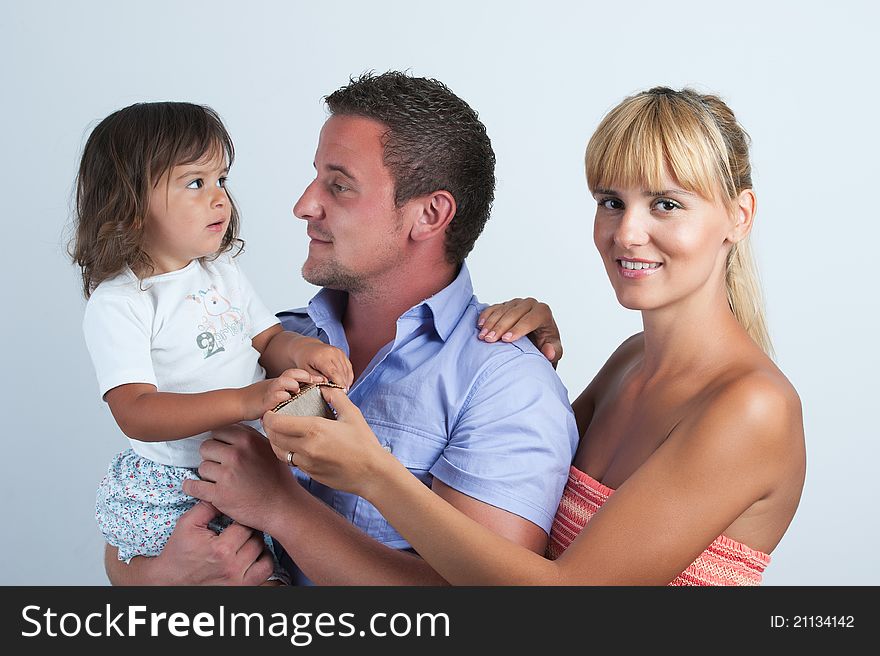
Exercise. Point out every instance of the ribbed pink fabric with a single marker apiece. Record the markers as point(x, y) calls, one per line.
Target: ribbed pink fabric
point(724, 562)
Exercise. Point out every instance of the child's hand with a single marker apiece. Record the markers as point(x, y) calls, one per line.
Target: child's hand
point(259, 398)
point(512, 319)
point(321, 359)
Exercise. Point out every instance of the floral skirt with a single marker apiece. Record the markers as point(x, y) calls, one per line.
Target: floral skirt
point(139, 501)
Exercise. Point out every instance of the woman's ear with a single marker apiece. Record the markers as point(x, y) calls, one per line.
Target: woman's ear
point(744, 215)
point(434, 212)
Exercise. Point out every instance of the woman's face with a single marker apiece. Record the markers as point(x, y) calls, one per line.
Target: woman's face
point(660, 246)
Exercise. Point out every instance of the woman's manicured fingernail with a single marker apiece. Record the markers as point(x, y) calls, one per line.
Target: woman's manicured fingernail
point(507, 337)
point(491, 335)
point(482, 333)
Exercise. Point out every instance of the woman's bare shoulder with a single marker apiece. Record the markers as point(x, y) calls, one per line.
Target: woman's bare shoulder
point(623, 356)
point(750, 417)
point(757, 393)
point(619, 359)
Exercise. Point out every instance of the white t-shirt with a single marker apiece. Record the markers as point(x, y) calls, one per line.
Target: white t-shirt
point(185, 331)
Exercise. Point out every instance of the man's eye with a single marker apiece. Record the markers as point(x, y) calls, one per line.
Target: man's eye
point(198, 183)
point(338, 188)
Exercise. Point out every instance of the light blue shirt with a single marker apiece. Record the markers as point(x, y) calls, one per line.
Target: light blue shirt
point(492, 421)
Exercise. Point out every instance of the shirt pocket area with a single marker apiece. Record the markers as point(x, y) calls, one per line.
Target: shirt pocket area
point(417, 451)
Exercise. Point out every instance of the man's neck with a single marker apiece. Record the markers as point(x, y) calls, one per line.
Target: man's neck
point(370, 317)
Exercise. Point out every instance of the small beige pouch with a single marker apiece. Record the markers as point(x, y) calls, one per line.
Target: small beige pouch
point(308, 402)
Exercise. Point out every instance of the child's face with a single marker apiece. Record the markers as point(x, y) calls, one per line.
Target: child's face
point(188, 214)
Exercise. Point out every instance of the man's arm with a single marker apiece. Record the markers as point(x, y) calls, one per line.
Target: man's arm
point(504, 523)
point(332, 551)
point(195, 555)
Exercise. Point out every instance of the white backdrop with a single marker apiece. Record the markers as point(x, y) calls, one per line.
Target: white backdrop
point(801, 77)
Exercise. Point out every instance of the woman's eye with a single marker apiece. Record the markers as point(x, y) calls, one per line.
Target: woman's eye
point(667, 205)
point(611, 203)
point(195, 184)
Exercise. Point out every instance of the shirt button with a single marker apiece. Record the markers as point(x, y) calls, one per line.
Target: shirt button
point(387, 447)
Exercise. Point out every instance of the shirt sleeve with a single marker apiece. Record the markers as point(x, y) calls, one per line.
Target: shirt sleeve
point(117, 333)
point(513, 443)
point(259, 315)
point(299, 321)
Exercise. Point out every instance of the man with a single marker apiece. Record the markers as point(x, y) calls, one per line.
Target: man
point(404, 185)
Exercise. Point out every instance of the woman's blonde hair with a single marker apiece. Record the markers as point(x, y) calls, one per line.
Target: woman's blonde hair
point(698, 141)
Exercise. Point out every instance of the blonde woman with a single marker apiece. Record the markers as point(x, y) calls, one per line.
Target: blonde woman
point(691, 460)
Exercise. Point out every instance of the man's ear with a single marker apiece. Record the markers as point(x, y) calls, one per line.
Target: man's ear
point(433, 213)
point(744, 216)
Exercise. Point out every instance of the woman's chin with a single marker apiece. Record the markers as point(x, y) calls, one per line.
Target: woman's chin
point(634, 301)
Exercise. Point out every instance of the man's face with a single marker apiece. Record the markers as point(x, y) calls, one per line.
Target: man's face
point(357, 234)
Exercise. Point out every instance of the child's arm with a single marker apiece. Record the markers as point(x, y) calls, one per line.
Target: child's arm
point(281, 349)
point(145, 414)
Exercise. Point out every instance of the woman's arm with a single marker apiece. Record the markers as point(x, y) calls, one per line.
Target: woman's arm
point(521, 317)
point(708, 472)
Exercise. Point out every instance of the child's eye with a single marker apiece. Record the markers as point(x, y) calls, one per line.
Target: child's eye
point(198, 183)
point(221, 182)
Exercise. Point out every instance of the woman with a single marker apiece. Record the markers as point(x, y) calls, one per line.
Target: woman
point(692, 460)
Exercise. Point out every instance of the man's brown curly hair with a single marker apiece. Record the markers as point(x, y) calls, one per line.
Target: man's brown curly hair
point(435, 140)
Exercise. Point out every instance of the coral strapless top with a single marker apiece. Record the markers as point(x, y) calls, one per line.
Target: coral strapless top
point(724, 562)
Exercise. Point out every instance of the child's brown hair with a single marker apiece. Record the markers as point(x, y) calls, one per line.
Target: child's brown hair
point(125, 156)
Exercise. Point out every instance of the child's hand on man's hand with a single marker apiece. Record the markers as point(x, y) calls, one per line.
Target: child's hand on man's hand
point(324, 360)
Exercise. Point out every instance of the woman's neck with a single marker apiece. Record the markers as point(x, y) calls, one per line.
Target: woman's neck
point(696, 334)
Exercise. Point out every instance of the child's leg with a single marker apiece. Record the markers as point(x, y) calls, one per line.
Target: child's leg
point(138, 504)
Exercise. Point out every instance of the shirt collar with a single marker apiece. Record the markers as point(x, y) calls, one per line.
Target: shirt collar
point(327, 304)
point(449, 303)
point(446, 306)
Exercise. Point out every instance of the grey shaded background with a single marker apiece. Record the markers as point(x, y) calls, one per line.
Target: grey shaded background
point(802, 77)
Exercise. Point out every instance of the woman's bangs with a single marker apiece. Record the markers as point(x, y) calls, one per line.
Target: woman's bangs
point(642, 147)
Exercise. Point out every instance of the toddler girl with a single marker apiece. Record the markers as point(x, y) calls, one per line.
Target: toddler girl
point(180, 342)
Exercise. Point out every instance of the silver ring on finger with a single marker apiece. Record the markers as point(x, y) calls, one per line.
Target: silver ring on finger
point(290, 455)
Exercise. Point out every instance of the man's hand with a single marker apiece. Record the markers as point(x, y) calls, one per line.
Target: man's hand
point(241, 477)
point(513, 319)
point(196, 555)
